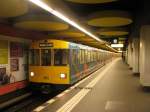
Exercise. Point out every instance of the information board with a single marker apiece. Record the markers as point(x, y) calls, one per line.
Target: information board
point(3, 52)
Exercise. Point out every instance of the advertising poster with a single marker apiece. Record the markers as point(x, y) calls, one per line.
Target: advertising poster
point(4, 79)
point(3, 52)
point(14, 64)
point(16, 49)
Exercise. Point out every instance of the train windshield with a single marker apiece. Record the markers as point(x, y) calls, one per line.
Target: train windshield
point(49, 57)
point(61, 57)
point(34, 57)
point(46, 57)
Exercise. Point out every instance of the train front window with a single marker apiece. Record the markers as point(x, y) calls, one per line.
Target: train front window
point(34, 57)
point(61, 57)
point(45, 57)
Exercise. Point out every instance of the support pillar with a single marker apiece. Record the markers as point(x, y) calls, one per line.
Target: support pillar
point(135, 55)
point(145, 55)
point(130, 57)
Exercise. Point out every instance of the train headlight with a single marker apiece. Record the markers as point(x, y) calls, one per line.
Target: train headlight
point(62, 76)
point(32, 74)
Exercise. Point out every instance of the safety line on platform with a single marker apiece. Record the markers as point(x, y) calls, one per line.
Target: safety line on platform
point(67, 107)
point(78, 97)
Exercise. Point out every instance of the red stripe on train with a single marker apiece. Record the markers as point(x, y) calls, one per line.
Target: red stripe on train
point(12, 87)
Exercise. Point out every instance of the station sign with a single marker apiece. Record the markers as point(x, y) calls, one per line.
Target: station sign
point(46, 45)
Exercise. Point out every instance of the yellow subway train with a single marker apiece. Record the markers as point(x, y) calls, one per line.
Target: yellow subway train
point(55, 64)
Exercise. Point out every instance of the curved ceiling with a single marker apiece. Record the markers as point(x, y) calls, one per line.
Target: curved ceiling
point(40, 23)
point(76, 10)
point(91, 1)
point(12, 8)
point(110, 19)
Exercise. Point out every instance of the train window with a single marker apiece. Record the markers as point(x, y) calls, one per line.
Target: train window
point(78, 56)
point(61, 57)
point(45, 57)
point(86, 56)
point(74, 56)
point(34, 57)
point(92, 56)
point(99, 58)
point(89, 56)
point(82, 53)
point(95, 56)
point(81, 58)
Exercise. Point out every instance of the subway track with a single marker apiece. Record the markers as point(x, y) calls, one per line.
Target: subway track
point(29, 102)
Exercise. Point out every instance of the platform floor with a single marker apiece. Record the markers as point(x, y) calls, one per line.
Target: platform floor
point(113, 88)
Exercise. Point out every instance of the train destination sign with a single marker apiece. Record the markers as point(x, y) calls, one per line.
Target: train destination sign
point(46, 45)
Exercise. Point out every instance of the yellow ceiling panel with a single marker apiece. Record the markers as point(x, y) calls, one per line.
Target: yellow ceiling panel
point(85, 39)
point(40, 23)
point(91, 1)
point(12, 8)
point(113, 31)
point(110, 19)
point(69, 34)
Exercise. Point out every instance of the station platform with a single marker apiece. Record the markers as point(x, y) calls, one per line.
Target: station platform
point(113, 88)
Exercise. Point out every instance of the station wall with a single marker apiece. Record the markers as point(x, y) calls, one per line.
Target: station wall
point(13, 63)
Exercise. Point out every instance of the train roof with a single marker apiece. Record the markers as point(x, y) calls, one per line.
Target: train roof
point(63, 44)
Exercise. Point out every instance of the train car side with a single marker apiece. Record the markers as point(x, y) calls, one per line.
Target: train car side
point(84, 60)
point(56, 64)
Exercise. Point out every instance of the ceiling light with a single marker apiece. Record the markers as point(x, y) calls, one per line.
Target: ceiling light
point(63, 17)
point(111, 48)
point(115, 41)
point(120, 51)
point(117, 45)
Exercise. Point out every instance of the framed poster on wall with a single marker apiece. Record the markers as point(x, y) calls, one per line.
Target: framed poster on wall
point(4, 78)
point(2, 74)
point(14, 64)
point(16, 49)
